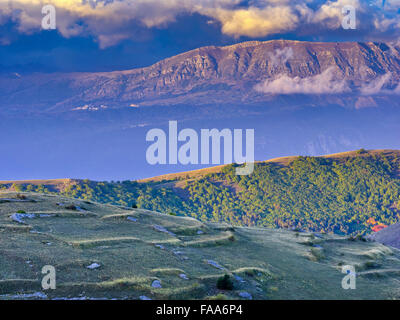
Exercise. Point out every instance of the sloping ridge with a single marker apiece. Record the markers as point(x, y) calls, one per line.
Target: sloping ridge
point(59, 184)
point(389, 236)
point(52, 184)
point(280, 161)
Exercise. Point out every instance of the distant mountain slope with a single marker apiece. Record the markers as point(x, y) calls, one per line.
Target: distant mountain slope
point(108, 252)
point(389, 236)
point(57, 185)
point(212, 75)
point(339, 193)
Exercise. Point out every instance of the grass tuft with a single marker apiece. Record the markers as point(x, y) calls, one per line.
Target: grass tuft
point(217, 297)
point(224, 238)
point(102, 242)
point(167, 271)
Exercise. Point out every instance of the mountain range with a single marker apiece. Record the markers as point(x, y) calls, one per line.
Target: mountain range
point(220, 75)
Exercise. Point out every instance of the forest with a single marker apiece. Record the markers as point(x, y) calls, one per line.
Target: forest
point(353, 195)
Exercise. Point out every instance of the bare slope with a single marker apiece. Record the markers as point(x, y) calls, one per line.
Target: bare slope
point(55, 185)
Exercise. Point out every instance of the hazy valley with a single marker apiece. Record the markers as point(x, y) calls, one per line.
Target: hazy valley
point(349, 101)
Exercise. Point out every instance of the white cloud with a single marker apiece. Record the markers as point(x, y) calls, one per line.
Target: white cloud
point(327, 82)
point(391, 4)
point(330, 13)
point(255, 22)
point(376, 86)
point(108, 21)
point(383, 24)
point(380, 85)
point(281, 56)
point(111, 20)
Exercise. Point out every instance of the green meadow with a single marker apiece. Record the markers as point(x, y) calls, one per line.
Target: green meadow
point(141, 254)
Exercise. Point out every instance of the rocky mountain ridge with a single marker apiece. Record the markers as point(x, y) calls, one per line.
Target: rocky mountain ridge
point(363, 73)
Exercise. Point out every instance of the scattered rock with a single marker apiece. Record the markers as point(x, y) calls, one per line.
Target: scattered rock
point(19, 216)
point(245, 295)
point(39, 295)
point(93, 266)
point(36, 295)
point(215, 264)
point(180, 254)
point(156, 284)
point(183, 276)
point(162, 229)
point(237, 278)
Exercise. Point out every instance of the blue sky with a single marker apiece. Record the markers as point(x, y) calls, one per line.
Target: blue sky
point(113, 35)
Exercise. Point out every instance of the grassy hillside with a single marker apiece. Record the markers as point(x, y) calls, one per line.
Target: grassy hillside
point(350, 193)
point(139, 254)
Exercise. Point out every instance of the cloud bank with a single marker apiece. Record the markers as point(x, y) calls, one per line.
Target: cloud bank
point(376, 86)
point(327, 82)
point(324, 83)
point(281, 56)
point(111, 21)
